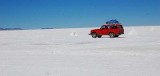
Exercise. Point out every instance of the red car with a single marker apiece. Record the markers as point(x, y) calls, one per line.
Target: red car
point(113, 30)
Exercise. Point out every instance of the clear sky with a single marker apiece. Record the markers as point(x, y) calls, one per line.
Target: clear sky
point(77, 13)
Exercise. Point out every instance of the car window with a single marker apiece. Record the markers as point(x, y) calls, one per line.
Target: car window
point(114, 27)
point(108, 27)
point(103, 27)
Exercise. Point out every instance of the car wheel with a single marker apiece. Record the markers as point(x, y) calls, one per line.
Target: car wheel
point(116, 35)
point(99, 36)
point(112, 35)
point(94, 35)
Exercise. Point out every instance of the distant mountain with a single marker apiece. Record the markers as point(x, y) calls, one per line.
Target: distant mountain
point(47, 28)
point(11, 29)
point(1, 28)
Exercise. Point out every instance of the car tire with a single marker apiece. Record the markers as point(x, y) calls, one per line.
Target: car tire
point(116, 35)
point(99, 36)
point(112, 35)
point(94, 35)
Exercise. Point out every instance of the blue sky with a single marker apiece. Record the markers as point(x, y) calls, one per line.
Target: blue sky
point(77, 13)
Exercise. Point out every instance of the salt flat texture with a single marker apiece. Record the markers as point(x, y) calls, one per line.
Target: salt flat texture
point(72, 52)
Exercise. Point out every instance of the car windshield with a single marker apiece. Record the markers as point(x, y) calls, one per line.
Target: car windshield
point(103, 26)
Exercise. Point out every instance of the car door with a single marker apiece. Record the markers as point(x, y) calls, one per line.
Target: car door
point(102, 30)
point(106, 30)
